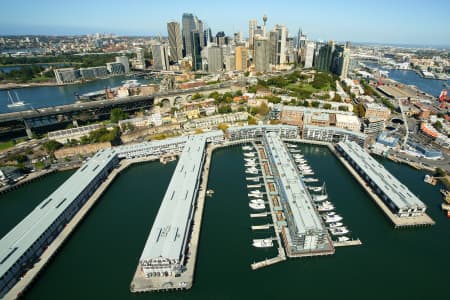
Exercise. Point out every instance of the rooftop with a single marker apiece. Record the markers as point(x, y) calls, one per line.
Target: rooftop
point(398, 193)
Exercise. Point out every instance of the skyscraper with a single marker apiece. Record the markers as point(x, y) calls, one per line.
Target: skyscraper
point(281, 44)
point(309, 54)
point(324, 58)
point(189, 25)
point(195, 50)
point(241, 58)
point(251, 32)
point(345, 61)
point(273, 38)
point(215, 59)
point(262, 54)
point(220, 38)
point(199, 28)
point(140, 60)
point(160, 56)
point(175, 41)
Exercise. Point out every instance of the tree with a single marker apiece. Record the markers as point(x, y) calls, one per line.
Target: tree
point(337, 98)
point(327, 106)
point(438, 125)
point(238, 93)
point(263, 109)
point(223, 127)
point(51, 146)
point(251, 121)
point(196, 96)
point(315, 104)
point(343, 108)
point(117, 114)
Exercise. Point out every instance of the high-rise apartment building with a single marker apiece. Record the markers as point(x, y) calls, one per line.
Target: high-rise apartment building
point(241, 58)
point(160, 56)
point(262, 54)
point(124, 61)
point(215, 59)
point(324, 57)
point(175, 41)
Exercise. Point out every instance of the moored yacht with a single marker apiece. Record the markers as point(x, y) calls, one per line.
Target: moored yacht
point(332, 219)
point(310, 179)
point(256, 206)
point(247, 148)
point(339, 230)
point(336, 224)
point(262, 243)
point(343, 239)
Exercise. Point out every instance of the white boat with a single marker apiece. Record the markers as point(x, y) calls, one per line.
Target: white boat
point(343, 239)
point(291, 145)
point(300, 160)
point(256, 206)
point(310, 180)
point(308, 173)
point(247, 148)
point(15, 103)
point(319, 198)
point(255, 195)
point(332, 219)
point(263, 243)
point(250, 165)
point(333, 225)
point(325, 207)
point(249, 154)
point(298, 156)
point(295, 151)
point(339, 230)
point(250, 159)
point(257, 201)
point(315, 188)
point(254, 179)
point(251, 170)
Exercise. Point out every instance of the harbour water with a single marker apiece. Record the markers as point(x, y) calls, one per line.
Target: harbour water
point(429, 86)
point(45, 96)
point(98, 260)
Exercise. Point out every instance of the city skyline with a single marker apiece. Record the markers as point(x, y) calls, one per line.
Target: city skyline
point(395, 22)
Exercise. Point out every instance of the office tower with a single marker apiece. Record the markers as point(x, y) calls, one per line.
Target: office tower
point(273, 38)
point(175, 41)
point(251, 33)
point(345, 61)
point(301, 39)
point(220, 38)
point(189, 25)
point(281, 44)
point(324, 57)
point(259, 31)
point(194, 41)
point(261, 54)
point(241, 58)
point(237, 37)
point(215, 59)
point(160, 57)
point(140, 59)
point(309, 55)
point(199, 28)
point(124, 61)
point(291, 54)
point(230, 62)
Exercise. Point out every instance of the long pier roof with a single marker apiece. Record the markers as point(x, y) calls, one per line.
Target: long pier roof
point(397, 192)
point(170, 228)
point(304, 214)
point(21, 238)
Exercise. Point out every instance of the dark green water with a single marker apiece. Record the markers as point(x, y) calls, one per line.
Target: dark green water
point(100, 258)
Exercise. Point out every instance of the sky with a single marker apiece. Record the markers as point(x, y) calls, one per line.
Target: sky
point(408, 22)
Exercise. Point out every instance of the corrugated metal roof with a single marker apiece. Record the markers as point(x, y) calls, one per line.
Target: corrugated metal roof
point(17, 241)
point(171, 226)
point(304, 214)
point(398, 193)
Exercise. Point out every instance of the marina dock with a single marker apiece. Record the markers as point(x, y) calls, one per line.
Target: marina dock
point(399, 222)
point(356, 242)
point(260, 227)
point(262, 157)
